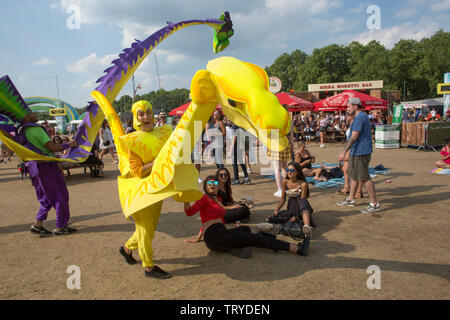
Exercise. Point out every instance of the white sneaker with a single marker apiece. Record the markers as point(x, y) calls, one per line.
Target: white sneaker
point(200, 180)
point(347, 203)
point(278, 193)
point(371, 209)
point(322, 145)
point(307, 230)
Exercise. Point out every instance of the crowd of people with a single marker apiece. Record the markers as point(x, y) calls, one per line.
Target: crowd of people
point(329, 126)
point(221, 141)
point(423, 114)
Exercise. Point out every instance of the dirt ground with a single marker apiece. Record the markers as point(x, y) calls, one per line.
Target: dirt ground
point(410, 243)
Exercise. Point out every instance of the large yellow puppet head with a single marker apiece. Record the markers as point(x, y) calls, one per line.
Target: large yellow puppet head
point(140, 105)
point(242, 89)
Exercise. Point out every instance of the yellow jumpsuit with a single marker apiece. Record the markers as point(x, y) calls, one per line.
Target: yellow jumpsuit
point(146, 220)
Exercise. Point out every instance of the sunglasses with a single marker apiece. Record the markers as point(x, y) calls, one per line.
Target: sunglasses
point(290, 170)
point(211, 183)
point(223, 175)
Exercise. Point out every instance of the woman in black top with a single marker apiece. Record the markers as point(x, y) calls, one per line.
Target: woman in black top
point(234, 211)
point(304, 158)
point(298, 208)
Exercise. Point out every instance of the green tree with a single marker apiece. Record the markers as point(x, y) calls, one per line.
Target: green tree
point(328, 64)
point(161, 100)
point(435, 61)
point(123, 104)
point(286, 68)
point(404, 61)
point(369, 62)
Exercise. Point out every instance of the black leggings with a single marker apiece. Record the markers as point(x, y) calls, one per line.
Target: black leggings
point(219, 238)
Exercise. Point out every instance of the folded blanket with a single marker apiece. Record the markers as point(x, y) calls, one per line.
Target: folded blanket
point(440, 171)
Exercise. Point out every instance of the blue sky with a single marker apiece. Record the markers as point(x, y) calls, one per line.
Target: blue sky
point(37, 44)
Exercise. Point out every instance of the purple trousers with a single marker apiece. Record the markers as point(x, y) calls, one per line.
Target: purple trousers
point(51, 191)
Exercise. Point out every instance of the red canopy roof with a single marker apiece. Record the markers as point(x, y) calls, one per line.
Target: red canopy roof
point(181, 109)
point(340, 101)
point(294, 103)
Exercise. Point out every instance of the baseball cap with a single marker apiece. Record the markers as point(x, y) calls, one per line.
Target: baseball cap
point(354, 100)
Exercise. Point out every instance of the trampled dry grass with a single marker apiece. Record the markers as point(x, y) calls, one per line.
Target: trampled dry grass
point(410, 242)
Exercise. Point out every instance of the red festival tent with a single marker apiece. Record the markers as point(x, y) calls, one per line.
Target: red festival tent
point(294, 103)
point(180, 110)
point(339, 102)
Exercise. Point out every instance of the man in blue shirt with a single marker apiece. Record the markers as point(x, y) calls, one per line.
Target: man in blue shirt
point(360, 146)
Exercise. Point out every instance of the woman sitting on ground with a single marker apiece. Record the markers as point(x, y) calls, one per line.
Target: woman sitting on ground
point(298, 207)
point(234, 211)
point(237, 240)
point(304, 158)
point(445, 156)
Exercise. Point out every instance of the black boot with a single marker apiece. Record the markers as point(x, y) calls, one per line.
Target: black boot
point(303, 247)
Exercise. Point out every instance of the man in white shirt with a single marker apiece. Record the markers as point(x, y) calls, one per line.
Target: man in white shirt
point(433, 113)
point(162, 119)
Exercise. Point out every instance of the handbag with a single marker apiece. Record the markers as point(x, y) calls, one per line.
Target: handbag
point(293, 229)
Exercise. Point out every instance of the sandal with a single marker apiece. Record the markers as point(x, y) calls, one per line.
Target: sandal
point(359, 195)
point(344, 191)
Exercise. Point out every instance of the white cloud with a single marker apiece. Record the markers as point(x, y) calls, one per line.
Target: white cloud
point(388, 37)
point(43, 62)
point(313, 7)
point(89, 84)
point(271, 20)
point(362, 7)
point(90, 63)
point(406, 12)
point(441, 6)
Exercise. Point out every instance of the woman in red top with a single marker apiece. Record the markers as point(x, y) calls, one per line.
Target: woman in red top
point(445, 156)
point(219, 238)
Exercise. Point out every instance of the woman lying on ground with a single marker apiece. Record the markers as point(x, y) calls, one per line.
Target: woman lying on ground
point(234, 211)
point(298, 207)
point(237, 240)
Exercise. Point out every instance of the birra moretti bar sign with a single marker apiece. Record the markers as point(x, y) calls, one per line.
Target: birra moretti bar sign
point(376, 84)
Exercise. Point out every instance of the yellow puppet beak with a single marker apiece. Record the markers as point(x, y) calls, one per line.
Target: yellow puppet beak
point(247, 102)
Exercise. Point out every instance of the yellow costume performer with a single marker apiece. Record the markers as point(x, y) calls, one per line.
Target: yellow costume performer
point(241, 89)
point(137, 153)
point(143, 147)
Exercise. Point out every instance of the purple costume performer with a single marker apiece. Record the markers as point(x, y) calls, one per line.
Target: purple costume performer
point(47, 179)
